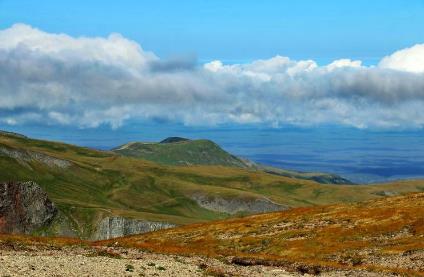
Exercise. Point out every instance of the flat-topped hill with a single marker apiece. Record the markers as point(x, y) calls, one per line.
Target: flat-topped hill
point(181, 151)
point(185, 152)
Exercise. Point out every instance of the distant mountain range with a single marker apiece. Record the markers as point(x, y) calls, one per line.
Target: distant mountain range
point(140, 187)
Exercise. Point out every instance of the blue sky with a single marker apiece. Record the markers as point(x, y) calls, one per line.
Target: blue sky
point(333, 86)
point(88, 64)
point(236, 30)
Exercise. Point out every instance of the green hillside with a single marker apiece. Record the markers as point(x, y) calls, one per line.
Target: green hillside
point(184, 152)
point(88, 185)
point(179, 151)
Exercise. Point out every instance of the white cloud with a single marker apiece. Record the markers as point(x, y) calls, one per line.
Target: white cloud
point(59, 79)
point(343, 63)
point(409, 59)
point(113, 50)
point(214, 66)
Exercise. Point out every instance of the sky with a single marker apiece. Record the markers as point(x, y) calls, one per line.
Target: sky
point(89, 64)
point(235, 30)
point(331, 86)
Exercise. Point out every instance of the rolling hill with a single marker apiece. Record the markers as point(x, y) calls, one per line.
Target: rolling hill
point(181, 151)
point(95, 191)
point(185, 152)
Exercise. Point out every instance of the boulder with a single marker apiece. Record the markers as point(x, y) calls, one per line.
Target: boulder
point(24, 208)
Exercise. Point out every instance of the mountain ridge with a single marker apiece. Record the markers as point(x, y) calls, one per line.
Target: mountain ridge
point(187, 152)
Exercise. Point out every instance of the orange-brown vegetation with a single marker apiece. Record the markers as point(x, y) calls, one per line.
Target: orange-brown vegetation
point(384, 235)
point(25, 242)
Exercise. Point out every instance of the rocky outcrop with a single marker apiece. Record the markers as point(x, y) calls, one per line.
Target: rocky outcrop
point(385, 193)
point(237, 205)
point(12, 134)
point(112, 227)
point(322, 178)
point(24, 207)
point(29, 156)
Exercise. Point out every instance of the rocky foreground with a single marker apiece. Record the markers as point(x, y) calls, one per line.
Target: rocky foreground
point(112, 262)
point(102, 261)
point(376, 238)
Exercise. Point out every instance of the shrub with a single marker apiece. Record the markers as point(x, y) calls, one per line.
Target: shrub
point(129, 268)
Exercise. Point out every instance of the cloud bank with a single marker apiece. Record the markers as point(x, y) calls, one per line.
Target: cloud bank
point(86, 82)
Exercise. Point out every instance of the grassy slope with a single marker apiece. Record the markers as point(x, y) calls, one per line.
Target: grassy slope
point(367, 235)
point(102, 183)
point(189, 152)
point(184, 152)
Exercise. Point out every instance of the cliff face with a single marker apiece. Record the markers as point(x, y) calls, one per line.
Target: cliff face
point(237, 205)
point(24, 207)
point(112, 227)
point(24, 156)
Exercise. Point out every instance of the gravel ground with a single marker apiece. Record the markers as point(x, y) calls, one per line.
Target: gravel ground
point(80, 262)
point(104, 261)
